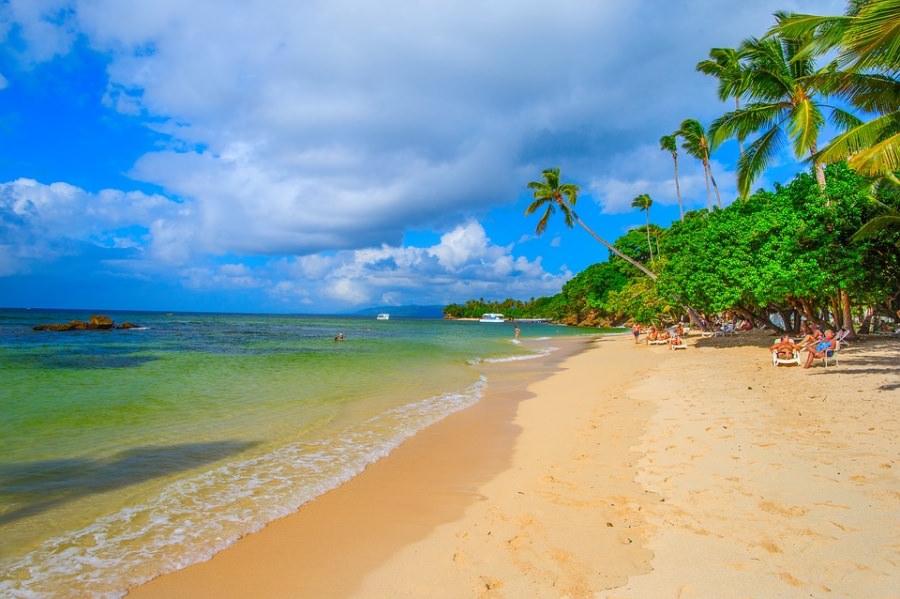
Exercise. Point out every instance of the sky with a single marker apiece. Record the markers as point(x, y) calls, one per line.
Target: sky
point(306, 156)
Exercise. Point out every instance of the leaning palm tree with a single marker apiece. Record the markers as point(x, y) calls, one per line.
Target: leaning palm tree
point(550, 194)
point(697, 144)
point(734, 78)
point(786, 101)
point(643, 203)
point(669, 143)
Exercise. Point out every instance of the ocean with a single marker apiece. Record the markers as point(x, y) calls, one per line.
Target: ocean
point(128, 453)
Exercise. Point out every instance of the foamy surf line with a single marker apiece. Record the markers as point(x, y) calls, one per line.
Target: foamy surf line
point(138, 543)
point(539, 353)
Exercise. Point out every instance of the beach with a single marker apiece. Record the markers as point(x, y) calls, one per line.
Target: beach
point(623, 471)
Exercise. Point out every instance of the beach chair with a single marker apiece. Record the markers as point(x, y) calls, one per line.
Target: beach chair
point(681, 345)
point(794, 359)
point(830, 354)
point(841, 336)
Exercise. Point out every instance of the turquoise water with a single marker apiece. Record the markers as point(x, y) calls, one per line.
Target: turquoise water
point(128, 453)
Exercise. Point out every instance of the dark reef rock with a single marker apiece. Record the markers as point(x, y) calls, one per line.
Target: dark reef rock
point(96, 323)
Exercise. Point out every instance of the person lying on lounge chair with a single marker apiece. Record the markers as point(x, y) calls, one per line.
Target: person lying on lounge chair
point(675, 341)
point(820, 348)
point(784, 347)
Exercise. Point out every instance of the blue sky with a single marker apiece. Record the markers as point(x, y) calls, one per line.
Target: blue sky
point(325, 156)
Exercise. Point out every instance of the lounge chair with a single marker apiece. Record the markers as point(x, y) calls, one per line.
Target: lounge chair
point(794, 359)
point(830, 354)
point(681, 345)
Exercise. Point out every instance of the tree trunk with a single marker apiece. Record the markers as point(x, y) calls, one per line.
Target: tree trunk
point(616, 250)
point(866, 323)
point(715, 187)
point(706, 179)
point(848, 312)
point(678, 188)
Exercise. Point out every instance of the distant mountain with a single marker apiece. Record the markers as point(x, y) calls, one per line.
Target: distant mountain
point(404, 311)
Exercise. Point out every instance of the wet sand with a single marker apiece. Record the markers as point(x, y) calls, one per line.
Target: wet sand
point(623, 471)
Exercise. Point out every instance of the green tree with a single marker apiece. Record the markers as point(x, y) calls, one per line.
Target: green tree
point(643, 203)
point(696, 143)
point(551, 194)
point(669, 143)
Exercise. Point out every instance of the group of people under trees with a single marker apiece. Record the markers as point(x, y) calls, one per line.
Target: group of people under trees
point(815, 341)
point(673, 338)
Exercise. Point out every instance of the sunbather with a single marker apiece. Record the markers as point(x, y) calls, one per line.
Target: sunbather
point(820, 348)
point(675, 341)
point(784, 348)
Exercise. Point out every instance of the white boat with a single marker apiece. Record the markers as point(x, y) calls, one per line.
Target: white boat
point(383, 316)
point(492, 317)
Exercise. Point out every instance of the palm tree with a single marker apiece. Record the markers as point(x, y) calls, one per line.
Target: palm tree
point(670, 144)
point(867, 39)
point(643, 202)
point(734, 79)
point(550, 194)
point(785, 101)
point(697, 145)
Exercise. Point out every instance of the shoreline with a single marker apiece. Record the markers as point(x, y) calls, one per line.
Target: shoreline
point(430, 478)
point(629, 471)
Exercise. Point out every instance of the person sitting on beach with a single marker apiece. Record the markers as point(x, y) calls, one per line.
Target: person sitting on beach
point(746, 325)
point(820, 348)
point(653, 334)
point(679, 330)
point(815, 334)
point(675, 341)
point(784, 348)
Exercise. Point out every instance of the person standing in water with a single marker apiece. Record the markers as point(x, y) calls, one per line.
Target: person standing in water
point(517, 333)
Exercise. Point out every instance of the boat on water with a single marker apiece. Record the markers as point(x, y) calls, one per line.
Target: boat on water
point(492, 317)
point(383, 316)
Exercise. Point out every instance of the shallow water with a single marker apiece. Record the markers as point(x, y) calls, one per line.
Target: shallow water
point(127, 453)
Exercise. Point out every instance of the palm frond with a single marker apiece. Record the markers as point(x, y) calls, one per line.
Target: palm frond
point(876, 225)
point(803, 127)
point(756, 157)
point(880, 159)
point(857, 139)
point(844, 120)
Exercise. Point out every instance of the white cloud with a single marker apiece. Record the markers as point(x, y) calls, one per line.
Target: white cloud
point(463, 264)
point(312, 135)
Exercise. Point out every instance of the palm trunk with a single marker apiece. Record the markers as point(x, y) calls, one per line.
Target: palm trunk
point(649, 245)
point(616, 250)
point(848, 313)
point(715, 187)
point(678, 188)
point(819, 168)
point(706, 180)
